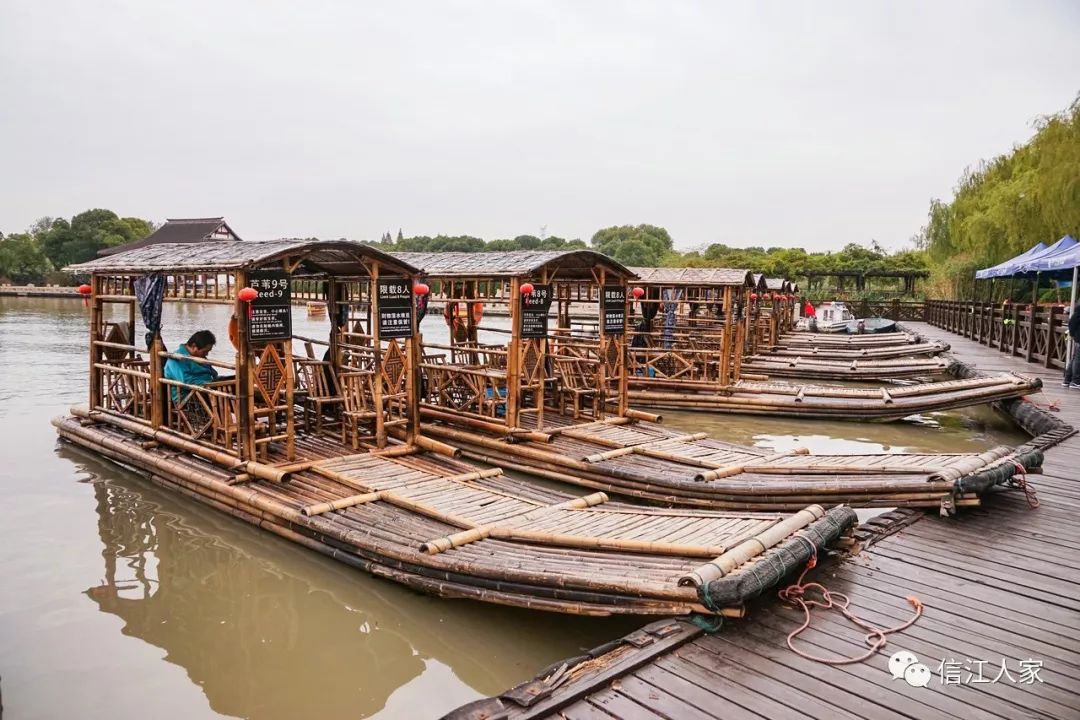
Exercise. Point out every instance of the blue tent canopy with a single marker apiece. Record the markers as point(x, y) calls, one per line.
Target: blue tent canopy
point(1061, 260)
point(1002, 268)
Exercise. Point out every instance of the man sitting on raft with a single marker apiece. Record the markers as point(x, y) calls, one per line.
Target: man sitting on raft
point(189, 372)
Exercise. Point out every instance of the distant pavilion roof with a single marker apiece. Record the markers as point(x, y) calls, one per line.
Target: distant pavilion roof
point(180, 230)
point(333, 257)
point(569, 264)
point(695, 276)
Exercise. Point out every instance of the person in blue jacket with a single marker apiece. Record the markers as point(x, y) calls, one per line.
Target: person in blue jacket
point(189, 372)
point(1072, 368)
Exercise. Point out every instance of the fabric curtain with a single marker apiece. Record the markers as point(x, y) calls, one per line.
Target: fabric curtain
point(672, 296)
point(150, 294)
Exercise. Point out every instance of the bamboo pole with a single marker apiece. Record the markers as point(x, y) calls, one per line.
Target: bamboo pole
point(744, 551)
point(167, 437)
point(642, 415)
point(245, 412)
point(489, 427)
point(377, 366)
point(644, 448)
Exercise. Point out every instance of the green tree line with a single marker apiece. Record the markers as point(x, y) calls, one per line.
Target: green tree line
point(52, 243)
point(469, 243)
point(1004, 206)
point(651, 246)
point(37, 254)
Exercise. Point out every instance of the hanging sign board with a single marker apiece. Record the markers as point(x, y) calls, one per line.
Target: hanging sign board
point(614, 304)
point(270, 312)
point(395, 308)
point(534, 312)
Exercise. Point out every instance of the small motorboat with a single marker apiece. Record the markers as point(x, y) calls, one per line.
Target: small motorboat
point(829, 317)
point(866, 326)
point(835, 317)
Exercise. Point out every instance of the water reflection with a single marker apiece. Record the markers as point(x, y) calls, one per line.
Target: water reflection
point(265, 636)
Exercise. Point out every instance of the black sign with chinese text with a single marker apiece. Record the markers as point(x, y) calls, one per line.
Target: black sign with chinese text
point(395, 308)
point(270, 316)
point(614, 304)
point(534, 312)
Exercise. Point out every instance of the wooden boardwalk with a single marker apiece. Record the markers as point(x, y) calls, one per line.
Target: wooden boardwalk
point(1000, 584)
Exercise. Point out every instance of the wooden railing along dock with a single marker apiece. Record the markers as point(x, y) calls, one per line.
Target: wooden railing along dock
point(1014, 329)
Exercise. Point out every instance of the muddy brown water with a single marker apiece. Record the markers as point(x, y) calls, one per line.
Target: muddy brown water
point(122, 600)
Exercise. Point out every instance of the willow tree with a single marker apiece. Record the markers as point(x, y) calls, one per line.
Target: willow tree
point(1003, 206)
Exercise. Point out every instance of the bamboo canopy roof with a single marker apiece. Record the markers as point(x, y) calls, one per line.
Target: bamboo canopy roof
point(694, 276)
point(337, 257)
point(777, 285)
point(568, 264)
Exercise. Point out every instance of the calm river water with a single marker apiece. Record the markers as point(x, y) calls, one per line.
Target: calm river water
point(121, 600)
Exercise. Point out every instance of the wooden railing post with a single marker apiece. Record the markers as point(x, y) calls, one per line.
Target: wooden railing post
point(1051, 341)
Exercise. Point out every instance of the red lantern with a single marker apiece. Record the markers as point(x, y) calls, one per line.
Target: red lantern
point(248, 295)
point(527, 289)
point(421, 289)
point(753, 297)
point(85, 291)
point(637, 292)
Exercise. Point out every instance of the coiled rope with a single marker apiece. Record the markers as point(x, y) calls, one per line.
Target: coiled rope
point(798, 595)
point(1023, 484)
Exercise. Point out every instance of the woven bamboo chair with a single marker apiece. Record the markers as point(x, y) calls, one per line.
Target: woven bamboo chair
point(575, 386)
point(358, 392)
point(322, 397)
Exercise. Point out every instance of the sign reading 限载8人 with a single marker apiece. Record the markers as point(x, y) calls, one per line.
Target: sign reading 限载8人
point(534, 312)
point(614, 304)
point(395, 308)
point(270, 316)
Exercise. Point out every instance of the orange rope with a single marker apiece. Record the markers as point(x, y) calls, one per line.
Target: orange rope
point(1022, 484)
point(1051, 406)
point(796, 595)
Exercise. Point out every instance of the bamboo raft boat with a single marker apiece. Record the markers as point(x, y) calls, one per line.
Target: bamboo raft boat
point(825, 367)
point(841, 403)
point(913, 342)
point(330, 453)
point(450, 529)
point(716, 363)
point(884, 352)
point(650, 462)
point(556, 404)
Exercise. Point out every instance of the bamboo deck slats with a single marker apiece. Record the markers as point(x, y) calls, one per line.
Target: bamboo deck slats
point(446, 527)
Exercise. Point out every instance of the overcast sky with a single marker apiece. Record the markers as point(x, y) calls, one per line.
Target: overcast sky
point(807, 124)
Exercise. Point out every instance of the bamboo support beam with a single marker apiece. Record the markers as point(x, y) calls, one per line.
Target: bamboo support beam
point(645, 448)
point(438, 545)
point(723, 471)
